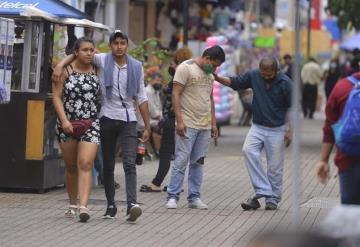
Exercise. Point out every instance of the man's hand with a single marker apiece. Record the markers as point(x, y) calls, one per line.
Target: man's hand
point(214, 131)
point(67, 127)
point(322, 171)
point(57, 73)
point(288, 137)
point(181, 129)
point(145, 136)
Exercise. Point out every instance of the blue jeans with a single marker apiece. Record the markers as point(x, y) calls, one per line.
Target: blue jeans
point(350, 185)
point(193, 150)
point(267, 184)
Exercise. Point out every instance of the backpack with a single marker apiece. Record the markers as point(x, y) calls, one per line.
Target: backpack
point(347, 129)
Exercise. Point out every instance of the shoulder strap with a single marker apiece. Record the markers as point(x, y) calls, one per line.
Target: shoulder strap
point(353, 79)
point(95, 69)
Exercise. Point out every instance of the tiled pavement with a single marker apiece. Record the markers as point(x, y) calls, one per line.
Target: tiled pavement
point(37, 219)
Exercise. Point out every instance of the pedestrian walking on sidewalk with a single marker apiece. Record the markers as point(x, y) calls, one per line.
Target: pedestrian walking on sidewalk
point(348, 165)
point(271, 101)
point(311, 77)
point(75, 102)
point(122, 88)
point(195, 122)
point(167, 145)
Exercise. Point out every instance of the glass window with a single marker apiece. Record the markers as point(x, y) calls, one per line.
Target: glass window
point(28, 55)
point(18, 52)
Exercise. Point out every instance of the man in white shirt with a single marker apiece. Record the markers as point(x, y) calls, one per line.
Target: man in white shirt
point(122, 88)
point(311, 78)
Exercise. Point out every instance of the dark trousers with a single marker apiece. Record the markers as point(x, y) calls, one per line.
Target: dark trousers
point(309, 97)
point(167, 148)
point(350, 185)
point(111, 131)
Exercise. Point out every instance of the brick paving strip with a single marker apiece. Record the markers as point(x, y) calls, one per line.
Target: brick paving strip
point(37, 219)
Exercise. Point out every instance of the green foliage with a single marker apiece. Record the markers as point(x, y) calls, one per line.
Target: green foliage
point(148, 48)
point(153, 57)
point(347, 12)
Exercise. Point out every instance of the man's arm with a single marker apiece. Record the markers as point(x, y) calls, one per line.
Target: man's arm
point(322, 168)
point(214, 129)
point(142, 100)
point(58, 70)
point(176, 101)
point(238, 82)
point(223, 80)
point(144, 111)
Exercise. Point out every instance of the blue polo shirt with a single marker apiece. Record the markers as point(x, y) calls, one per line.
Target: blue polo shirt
point(270, 105)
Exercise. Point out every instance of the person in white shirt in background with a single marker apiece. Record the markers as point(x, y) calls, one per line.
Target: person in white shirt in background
point(311, 77)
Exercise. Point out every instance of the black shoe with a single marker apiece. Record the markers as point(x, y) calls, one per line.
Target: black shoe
point(133, 212)
point(270, 206)
point(251, 203)
point(110, 213)
point(117, 185)
point(165, 189)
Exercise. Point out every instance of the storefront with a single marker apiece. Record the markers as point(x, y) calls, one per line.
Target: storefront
point(29, 154)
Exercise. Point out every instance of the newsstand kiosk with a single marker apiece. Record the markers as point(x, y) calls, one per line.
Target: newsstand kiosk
point(29, 154)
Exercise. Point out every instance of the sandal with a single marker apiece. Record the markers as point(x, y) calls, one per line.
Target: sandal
point(84, 214)
point(71, 211)
point(147, 188)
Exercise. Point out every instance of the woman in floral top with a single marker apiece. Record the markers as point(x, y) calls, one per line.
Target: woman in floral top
point(75, 98)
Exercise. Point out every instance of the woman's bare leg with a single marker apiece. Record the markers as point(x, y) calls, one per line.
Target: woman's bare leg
point(85, 161)
point(69, 152)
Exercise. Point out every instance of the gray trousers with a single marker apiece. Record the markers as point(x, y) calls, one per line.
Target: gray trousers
point(110, 131)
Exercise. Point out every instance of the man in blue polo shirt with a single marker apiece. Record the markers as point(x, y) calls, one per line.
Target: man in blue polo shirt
point(269, 131)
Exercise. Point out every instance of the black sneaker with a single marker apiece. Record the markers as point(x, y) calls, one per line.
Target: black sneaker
point(110, 212)
point(117, 185)
point(251, 203)
point(270, 206)
point(133, 212)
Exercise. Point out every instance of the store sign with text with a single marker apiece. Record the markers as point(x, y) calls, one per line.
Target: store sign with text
point(17, 4)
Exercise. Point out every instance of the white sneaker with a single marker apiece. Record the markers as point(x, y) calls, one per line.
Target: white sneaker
point(171, 204)
point(198, 204)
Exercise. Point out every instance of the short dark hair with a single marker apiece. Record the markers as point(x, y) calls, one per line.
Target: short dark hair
point(355, 64)
point(215, 53)
point(287, 56)
point(81, 40)
point(118, 34)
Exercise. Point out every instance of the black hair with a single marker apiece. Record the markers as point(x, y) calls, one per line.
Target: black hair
point(355, 64)
point(118, 34)
point(81, 40)
point(356, 52)
point(287, 56)
point(215, 53)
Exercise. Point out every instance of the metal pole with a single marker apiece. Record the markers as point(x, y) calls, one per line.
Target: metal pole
point(186, 21)
point(295, 122)
point(309, 31)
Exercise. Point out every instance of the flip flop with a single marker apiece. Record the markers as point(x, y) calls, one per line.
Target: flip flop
point(146, 188)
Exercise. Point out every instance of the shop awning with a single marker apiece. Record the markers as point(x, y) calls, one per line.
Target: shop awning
point(13, 8)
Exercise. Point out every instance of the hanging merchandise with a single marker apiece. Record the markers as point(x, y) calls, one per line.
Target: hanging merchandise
point(223, 96)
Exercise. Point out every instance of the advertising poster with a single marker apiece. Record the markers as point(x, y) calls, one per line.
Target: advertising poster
point(3, 32)
point(10, 37)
